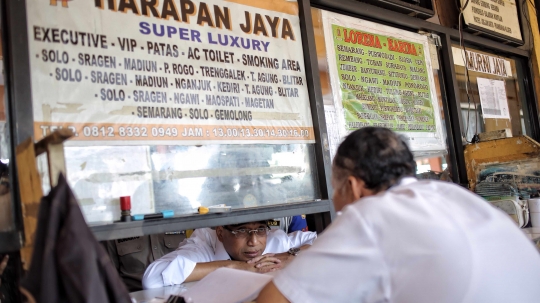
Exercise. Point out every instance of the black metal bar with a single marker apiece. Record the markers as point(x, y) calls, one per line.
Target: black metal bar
point(371, 12)
point(459, 173)
point(10, 242)
point(18, 99)
point(138, 228)
point(452, 156)
point(11, 277)
point(525, 71)
point(404, 8)
point(537, 7)
point(524, 24)
point(17, 60)
point(322, 152)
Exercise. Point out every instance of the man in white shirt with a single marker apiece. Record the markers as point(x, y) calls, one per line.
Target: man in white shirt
point(402, 240)
point(248, 246)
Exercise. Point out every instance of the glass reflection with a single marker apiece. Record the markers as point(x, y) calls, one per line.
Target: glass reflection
point(182, 178)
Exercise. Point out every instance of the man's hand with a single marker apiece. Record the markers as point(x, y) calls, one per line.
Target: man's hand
point(278, 260)
point(269, 259)
point(266, 264)
point(204, 268)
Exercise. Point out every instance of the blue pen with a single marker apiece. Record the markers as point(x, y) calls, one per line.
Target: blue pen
point(164, 214)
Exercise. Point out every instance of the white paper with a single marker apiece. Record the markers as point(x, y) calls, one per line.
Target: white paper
point(499, 16)
point(227, 285)
point(493, 98)
point(332, 129)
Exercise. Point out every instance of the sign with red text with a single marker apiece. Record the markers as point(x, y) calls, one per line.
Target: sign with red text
point(182, 72)
point(383, 77)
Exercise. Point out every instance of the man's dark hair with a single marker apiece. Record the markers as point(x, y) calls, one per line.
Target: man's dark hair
point(377, 156)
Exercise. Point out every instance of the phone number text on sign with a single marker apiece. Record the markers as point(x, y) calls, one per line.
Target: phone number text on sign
point(94, 132)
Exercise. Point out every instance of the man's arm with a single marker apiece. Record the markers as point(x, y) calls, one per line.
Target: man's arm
point(175, 267)
point(192, 261)
point(271, 294)
point(347, 252)
point(280, 244)
point(203, 269)
point(301, 238)
point(285, 258)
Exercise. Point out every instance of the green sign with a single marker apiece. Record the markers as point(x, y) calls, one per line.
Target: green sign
point(384, 81)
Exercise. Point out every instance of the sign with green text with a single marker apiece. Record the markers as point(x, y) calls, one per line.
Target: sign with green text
point(383, 81)
point(385, 77)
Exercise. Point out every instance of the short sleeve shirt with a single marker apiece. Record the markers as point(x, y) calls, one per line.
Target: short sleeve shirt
point(421, 242)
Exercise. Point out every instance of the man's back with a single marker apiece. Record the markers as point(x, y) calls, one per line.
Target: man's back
point(444, 244)
point(421, 242)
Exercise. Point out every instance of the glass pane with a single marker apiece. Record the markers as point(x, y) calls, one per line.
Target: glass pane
point(482, 70)
point(182, 178)
point(6, 204)
point(435, 166)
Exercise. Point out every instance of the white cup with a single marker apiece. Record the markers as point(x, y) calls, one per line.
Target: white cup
point(535, 219)
point(534, 205)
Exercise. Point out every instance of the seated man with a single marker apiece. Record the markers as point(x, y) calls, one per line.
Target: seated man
point(247, 246)
point(402, 240)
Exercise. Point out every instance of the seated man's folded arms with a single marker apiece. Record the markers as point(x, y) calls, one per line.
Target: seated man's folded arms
point(248, 246)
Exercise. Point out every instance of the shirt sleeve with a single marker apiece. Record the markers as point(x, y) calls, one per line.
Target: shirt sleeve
point(343, 265)
point(176, 266)
point(301, 238)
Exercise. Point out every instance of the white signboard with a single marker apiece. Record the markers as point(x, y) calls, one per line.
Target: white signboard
point(493, 98)
point(498, 16)
point(482, 63)
point(182, 72)
point(382, 76)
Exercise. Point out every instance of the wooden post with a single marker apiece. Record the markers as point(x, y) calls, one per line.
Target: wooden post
point(30, 182)
point(31, 193)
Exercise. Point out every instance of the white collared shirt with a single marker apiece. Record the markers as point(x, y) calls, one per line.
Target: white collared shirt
point(418, 242)
point(204, 246)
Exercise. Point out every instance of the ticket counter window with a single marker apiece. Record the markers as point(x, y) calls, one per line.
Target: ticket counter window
point(490, 93)
point(182, 178)
point(216, 111)
point(430, 164)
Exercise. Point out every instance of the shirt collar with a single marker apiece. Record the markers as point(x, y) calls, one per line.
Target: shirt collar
point(404, 181)
point(407, 181)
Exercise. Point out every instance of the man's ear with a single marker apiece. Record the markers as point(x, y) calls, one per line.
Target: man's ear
point(219, 233)
point(357, 187)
